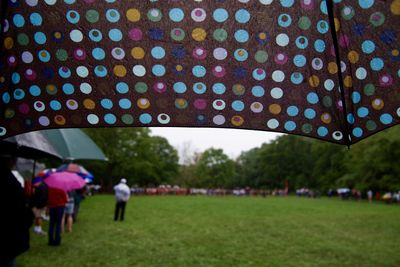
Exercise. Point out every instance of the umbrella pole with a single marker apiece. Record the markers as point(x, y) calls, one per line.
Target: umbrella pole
point(34, 169)
point(346, 126)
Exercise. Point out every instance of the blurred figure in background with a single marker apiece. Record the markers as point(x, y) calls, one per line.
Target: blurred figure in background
point(122, 194)
point(57, 199)
point(17, 217)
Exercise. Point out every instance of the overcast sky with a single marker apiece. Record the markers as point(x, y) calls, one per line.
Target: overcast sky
point(232, 141)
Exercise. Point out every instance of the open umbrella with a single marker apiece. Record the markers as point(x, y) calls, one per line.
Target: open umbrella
point(323, 69)
point(74, 144)
point(66, 181)
point(31, 145)
point(78, 169)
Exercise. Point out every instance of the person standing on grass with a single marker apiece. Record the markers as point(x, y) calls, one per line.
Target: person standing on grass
point(57, 198)
point(68, 213)
point(122, 194)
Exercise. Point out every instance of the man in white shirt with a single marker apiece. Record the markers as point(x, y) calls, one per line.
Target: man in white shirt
point(122, 194)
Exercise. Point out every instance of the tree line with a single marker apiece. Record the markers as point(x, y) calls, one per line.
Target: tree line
point(147, 160)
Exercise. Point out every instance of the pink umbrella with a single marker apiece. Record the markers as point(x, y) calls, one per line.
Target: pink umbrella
point(66, 181)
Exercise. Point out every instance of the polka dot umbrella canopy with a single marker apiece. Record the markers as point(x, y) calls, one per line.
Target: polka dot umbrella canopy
point(324, 69)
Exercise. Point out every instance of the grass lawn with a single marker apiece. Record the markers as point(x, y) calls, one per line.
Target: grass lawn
point(226, 231)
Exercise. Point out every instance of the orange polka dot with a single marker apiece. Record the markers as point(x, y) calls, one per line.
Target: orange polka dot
point(332, 68)
point(120, 71)
point(314, 81)
point(199, 34)
point(353, 57)
point(89, 104)
point(348, 81)
point(275, 109)
point(137, 53)
point(8, 43)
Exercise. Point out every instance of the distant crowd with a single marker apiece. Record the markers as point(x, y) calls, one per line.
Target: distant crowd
point(342, 193)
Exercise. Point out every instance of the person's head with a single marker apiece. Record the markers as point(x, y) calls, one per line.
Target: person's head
point(123, 181)
point(7, 161)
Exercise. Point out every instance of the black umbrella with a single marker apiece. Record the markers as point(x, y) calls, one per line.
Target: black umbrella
point(31, 145)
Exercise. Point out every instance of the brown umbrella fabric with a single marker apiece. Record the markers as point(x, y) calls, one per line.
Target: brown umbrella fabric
point(246, 64)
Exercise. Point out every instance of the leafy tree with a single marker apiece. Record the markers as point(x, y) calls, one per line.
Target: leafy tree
point(134, 154)
point(214, 169)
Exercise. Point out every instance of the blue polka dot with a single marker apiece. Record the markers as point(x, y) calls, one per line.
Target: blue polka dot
point(284, 20)
point(112, 15)
point(199, 88)
point(68, 89)
point(322, 131)
point(319, 46)
point(238, 105)
point(19, 94)
point(220, 15)
point(292, 111)
point(350, 118)
point(309, 113)
point(15, 78)
point(176, 14)
point(122, 88)
point(55, 105)
point(158, 52)
point(95, 35)
point(241, 36)
point(290, 126)
point(242, 16)
point(323, 26)
point(312, 98)
point(377, 64)
point(258, 91)
point(323, 7)
point(100, 71)
point(73, 17)
point(287, 3)
point(368, 47)
point(219, 88)
point(125, 103)
point(106, 103)
point(40, 38)
point(36, 19)
point(98, 53)
point(296, 78)
point(301, 42)
point(362, 112)
point(356, 97)
point(6, 98)
point(199, 71)
point(110, 118)
point(299, 61)
point(357, 132)
point(180, 87)
point(156, 34)
point(145, 118)
point(366, 3)
point(386, 118)
point(115, 35)
point(34, 90)
point(18, 20)
point(158, 70)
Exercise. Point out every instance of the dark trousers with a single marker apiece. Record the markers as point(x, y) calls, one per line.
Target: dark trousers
point(119, 210)
point(56, 215)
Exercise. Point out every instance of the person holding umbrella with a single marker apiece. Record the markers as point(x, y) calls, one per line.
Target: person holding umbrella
point(122, 194)
point(18, 217)
point(59, 183)
point(57, 198)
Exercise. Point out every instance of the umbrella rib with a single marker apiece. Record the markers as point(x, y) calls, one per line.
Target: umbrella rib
point(340, 76)
point(64, 138)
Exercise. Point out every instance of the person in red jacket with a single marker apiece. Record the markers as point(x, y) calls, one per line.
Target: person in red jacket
point(57, 199)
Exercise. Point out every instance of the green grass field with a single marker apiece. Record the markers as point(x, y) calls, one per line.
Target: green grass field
point(226, 231)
